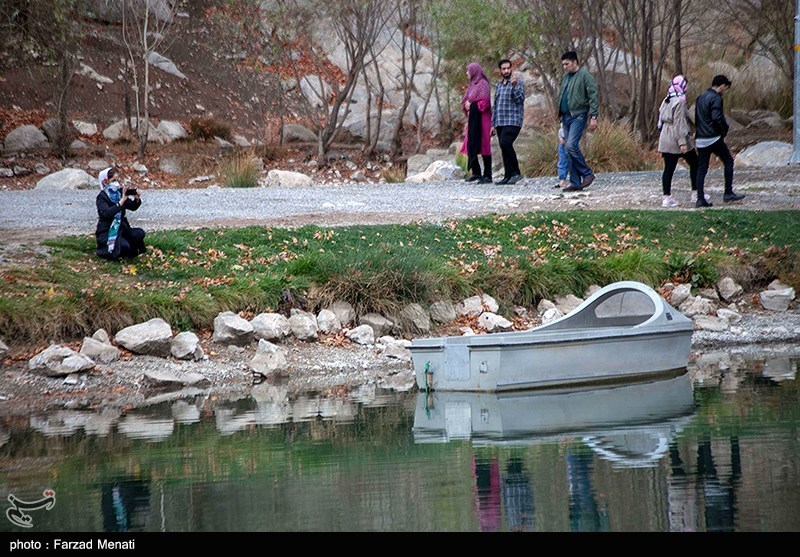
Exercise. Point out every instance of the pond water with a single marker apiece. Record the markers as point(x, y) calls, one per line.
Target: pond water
point(714, 449)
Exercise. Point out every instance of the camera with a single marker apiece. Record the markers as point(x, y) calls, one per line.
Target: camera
point(130, 191)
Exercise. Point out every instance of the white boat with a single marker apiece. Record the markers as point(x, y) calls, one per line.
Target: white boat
point(625, 331)
point(631, 424)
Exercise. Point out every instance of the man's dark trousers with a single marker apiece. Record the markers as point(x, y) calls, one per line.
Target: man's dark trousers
point(720, 149)
point(506, 135)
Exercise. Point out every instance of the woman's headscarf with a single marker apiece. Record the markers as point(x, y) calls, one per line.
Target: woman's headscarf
point(113, 189)
point(478, 88)
point(678, 88)
point(102, 176)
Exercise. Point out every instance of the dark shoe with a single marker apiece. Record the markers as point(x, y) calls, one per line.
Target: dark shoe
point(573, 187)
point(472, 178)
point(502, 182)
point(515, 178)
point(486, 180)
point(729, 197)
point(703, 203)
point(587, 181)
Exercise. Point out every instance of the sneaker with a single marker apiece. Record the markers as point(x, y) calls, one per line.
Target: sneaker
point(694, 197)
point(515, 178)
point(668, 202)
point(573, 187)
point(703, 203)
point(729, 197)
point(587, 181)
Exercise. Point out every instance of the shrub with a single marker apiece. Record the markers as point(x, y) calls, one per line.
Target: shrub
point(610, 148)
point(208, 128)
point(241, 170)
point(394, 175)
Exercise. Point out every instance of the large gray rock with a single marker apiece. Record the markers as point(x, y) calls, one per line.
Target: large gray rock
point(475, 305)
point(766, 153)
point(492, 322)
point(328, 322)
point(287, 178)
point(270, 326)
point(344, 312)
point(172, 130)
point(120, 129)
point(102, 352)
point(293, 133)
point(67, 179)
point(776, 300)
point(304, 325)
point(363, 334)
point(186, 346)
point(728, 289)
point(57, 361)
point(443, 311)
point(269, 359)
point(152, 337)
point(567, 303)
point(24, 138)
point(380, 324)
point(230, 328)
point(417, 317)
point(164, 64)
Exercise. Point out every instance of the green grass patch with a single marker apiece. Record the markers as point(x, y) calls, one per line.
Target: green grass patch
point(188, 277)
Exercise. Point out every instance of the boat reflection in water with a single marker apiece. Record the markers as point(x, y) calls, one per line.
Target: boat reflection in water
point(630, 425)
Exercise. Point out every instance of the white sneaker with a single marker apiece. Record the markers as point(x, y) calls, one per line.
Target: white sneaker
point(668, 202)
point(694, 197)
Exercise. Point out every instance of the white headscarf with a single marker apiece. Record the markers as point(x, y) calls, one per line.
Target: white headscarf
point(102, 176)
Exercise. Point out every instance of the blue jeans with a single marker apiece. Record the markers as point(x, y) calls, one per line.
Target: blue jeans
point(573, 131)
point(563, 161)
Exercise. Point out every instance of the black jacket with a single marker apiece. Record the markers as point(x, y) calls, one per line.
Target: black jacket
point(106, 210)
point(709, 117)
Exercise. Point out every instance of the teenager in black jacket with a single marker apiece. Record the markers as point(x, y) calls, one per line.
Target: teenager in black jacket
point(115, 236)
point(711, 127)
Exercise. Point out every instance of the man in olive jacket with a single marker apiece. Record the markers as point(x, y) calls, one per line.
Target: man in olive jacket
point(711, 127)
point(579, 105)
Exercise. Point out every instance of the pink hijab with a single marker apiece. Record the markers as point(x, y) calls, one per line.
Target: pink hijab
point(478, 89)
point(678, 88)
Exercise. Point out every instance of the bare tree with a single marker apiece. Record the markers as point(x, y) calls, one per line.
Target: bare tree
point(145, 28)
point(50, 26)
point(324, 90)
point(765, 24)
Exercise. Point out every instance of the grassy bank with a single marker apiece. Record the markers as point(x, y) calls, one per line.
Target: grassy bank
point(188, 277)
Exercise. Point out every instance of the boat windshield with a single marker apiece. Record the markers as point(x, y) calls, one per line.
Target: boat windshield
point(629, 306)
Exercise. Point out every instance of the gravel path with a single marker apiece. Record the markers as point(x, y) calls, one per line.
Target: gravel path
point(73, 212)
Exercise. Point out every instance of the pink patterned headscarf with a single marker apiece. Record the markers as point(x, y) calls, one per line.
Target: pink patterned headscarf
point(478, 88)
point(678, 88)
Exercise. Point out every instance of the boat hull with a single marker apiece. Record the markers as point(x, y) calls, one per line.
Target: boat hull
point(599, 342)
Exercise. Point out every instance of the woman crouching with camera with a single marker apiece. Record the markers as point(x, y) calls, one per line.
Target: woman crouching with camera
point(115, 237)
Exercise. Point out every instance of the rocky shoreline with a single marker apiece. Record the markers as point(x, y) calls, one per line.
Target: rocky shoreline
point(331, 369)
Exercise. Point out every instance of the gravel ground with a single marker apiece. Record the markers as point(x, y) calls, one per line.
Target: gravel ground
point(314, 366)
point(73, 212)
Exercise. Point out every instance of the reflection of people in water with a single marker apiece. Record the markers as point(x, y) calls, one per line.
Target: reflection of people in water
point(517, 496)
point(487, 492)
point(681, 495)
point(585, 515)
point(125, 504)
point(720, 495)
